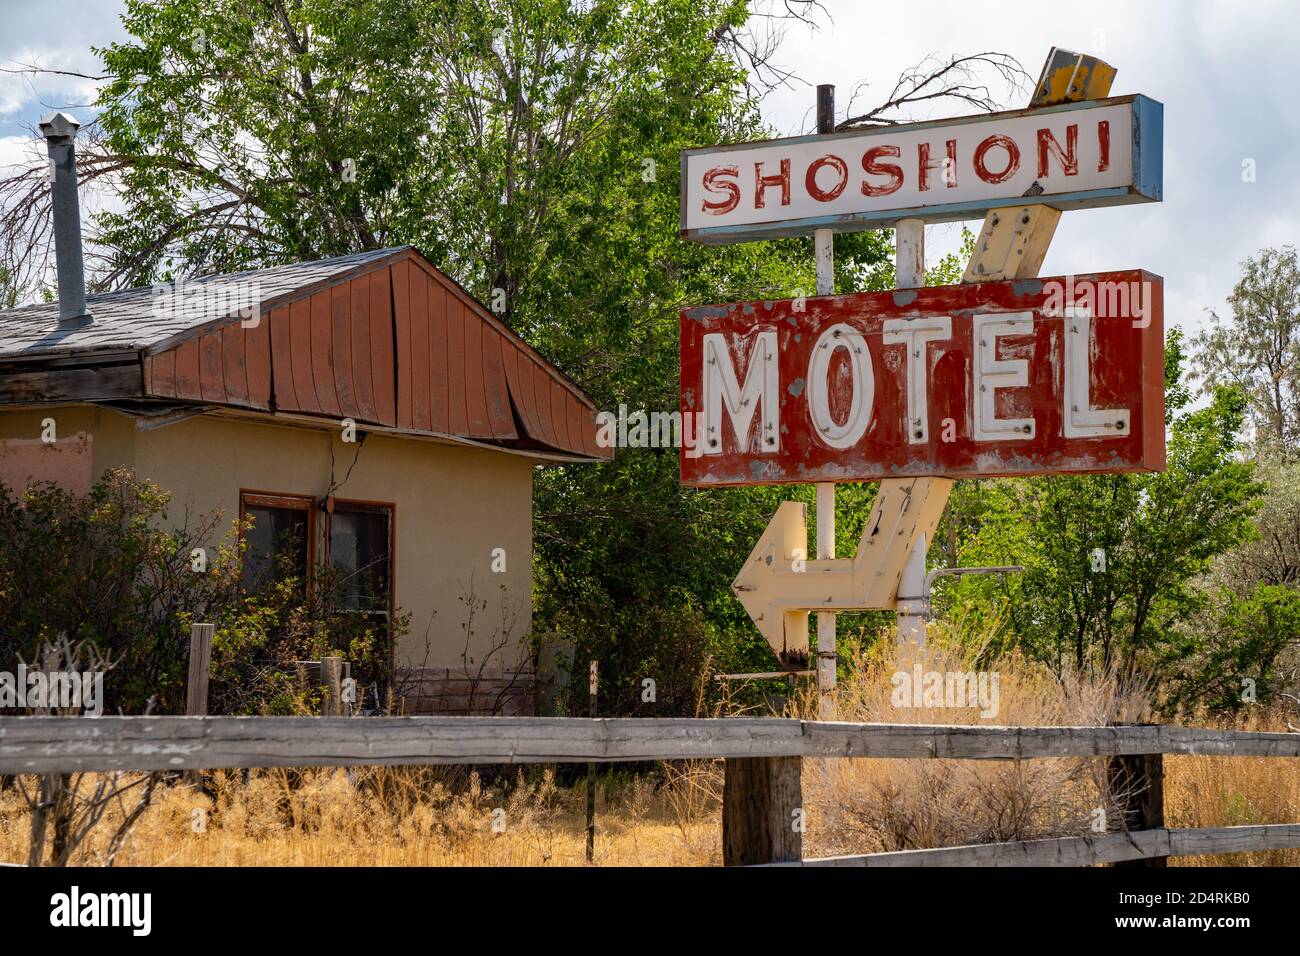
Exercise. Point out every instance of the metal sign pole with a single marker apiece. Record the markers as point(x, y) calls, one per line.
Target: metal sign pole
point(827, 657)
point(909, 273)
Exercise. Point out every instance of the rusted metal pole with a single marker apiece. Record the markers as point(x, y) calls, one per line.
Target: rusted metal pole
point(824, 241)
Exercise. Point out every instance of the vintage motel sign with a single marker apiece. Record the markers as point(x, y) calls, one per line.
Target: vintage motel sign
point(1023, 377)
point(1071, 156)
point(1005, 335)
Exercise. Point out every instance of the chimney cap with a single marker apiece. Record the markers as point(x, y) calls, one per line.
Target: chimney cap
point(59, 124)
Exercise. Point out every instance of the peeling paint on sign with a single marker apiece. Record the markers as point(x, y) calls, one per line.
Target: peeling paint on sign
point(1070, 155)
point(1047, 376)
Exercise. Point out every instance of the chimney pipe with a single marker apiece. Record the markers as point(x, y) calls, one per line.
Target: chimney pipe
point(60, 131)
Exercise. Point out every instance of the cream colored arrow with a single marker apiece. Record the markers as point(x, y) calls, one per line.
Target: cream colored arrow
point(778, 587)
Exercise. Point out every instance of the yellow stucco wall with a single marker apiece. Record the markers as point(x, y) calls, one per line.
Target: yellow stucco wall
point(112, 434)
point(454, 506)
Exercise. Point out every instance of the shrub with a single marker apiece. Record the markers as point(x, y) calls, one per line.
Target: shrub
point(112, 570)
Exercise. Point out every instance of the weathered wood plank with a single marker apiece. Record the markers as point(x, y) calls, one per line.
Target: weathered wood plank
point(829, 739)
point(761, 800)
point(50, 744)
point(31, 745)
point(72, 384)
point(1068, 851)
point(196, 696)
point(1085, 851)
point(1244, 839)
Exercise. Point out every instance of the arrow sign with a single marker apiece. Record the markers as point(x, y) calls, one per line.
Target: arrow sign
point(778, 585)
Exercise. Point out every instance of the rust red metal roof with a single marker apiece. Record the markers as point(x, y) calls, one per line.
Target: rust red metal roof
point(385, 339)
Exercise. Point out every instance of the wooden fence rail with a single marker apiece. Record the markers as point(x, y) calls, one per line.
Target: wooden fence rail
point(1084, 851)
point(762, 798)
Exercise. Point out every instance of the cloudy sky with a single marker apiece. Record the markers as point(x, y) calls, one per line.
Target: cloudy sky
point(1221, 69)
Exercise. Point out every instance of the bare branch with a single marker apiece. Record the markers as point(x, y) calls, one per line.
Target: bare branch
point(957, 79)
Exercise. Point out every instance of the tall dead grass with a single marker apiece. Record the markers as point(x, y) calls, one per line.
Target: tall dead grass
point(1235, 791)
point(402, 816)
point(868, 806)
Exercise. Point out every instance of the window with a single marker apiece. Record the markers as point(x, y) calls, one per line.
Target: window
point(360, 554)
point(359, 539)
point(282, 537)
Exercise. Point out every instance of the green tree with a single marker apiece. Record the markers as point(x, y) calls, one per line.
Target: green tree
point(1158, 534)
point(1258, 348)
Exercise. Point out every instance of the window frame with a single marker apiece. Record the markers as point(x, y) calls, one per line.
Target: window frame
point(366, 505)
point(294, 502)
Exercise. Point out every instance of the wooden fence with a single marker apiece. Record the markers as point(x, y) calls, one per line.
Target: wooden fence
point(762, 798)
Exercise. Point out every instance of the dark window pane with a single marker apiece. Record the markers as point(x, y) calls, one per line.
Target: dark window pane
point(359, 554)
point(277, 544)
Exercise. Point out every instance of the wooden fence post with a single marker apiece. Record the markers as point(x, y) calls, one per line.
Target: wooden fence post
point(196, 691)
point(196, 694)
point(1137, 783)
point(762, 811)
point(331, 678)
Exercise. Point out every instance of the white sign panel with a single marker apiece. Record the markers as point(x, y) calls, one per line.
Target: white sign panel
point(1075, 155)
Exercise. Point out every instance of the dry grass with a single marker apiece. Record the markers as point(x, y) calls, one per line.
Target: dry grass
point(867, 806)
point(445, 816)
point(405, 816)
point(1235, 791)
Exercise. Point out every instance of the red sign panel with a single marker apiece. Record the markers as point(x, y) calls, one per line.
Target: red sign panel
point(1028, 377)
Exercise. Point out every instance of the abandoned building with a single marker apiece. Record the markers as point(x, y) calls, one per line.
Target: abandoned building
point(365, 403)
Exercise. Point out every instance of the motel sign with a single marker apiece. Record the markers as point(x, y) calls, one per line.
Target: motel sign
point(1005, 374)
point(1074, 155)
point(984, 379)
